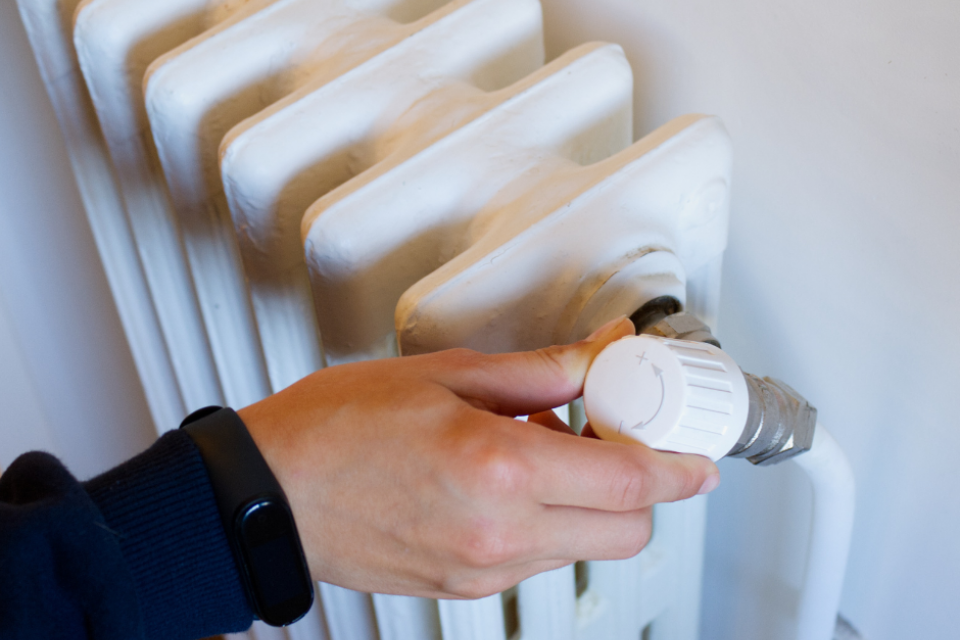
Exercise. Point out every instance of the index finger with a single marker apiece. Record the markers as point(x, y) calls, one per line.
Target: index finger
point(528, 382)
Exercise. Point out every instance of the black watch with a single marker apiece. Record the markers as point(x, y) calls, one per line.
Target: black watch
point(256, 517)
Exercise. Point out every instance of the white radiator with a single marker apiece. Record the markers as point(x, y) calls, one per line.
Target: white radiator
point(279, 185)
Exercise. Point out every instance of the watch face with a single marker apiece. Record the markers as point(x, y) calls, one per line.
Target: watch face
point(274, 562)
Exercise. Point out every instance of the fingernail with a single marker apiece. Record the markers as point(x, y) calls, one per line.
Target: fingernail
point(605, 328)
point(709, 484)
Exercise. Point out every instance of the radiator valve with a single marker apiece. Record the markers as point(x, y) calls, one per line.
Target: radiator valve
point(676, 394)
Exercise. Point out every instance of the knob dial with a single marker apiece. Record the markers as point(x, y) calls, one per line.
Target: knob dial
point(672, 395)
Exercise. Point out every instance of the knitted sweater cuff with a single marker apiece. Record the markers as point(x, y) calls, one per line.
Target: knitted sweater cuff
point(161, 506)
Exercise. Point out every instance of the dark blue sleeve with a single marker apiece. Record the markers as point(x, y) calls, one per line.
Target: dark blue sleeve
point(138, 552)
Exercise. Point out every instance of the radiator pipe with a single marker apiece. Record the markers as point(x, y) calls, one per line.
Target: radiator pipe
point(833, 505)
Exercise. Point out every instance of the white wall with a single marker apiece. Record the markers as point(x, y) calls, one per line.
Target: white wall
point(67, 381)
point(841, 277)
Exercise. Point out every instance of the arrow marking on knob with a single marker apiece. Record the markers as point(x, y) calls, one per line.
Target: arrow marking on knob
point(657, 371)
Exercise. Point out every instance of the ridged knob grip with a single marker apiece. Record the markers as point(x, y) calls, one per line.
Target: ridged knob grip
point(672, 395)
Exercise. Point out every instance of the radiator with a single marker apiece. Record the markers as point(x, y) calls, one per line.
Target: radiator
point(279, 185)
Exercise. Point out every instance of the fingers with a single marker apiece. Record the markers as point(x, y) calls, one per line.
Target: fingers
point(559, 536)
point(551, 421)
point(588, 432)
point(486, 583)
point(553, 537)
point(553, 468)
point(571, 533)
point(610, 476)
point(528, 382)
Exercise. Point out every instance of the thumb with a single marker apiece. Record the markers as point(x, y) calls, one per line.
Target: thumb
point(527, 382)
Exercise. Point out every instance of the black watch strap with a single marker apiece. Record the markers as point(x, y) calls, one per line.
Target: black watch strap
point(256, 516)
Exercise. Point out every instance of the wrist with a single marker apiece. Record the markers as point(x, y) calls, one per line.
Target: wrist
point(271, 426)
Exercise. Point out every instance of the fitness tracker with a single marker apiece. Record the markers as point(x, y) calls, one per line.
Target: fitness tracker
point(256, 517)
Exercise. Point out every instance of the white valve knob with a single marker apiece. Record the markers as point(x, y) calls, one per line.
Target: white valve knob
point(673, 395)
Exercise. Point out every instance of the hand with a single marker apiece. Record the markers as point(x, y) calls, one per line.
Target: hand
point(411, 475)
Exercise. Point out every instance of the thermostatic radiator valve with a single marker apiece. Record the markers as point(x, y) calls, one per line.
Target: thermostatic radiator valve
point(674, 393)
point(672, 388)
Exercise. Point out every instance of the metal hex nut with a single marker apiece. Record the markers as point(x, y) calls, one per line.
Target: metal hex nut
point(800, 419)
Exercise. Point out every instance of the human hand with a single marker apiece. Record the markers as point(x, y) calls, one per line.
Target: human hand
point(410, 475)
